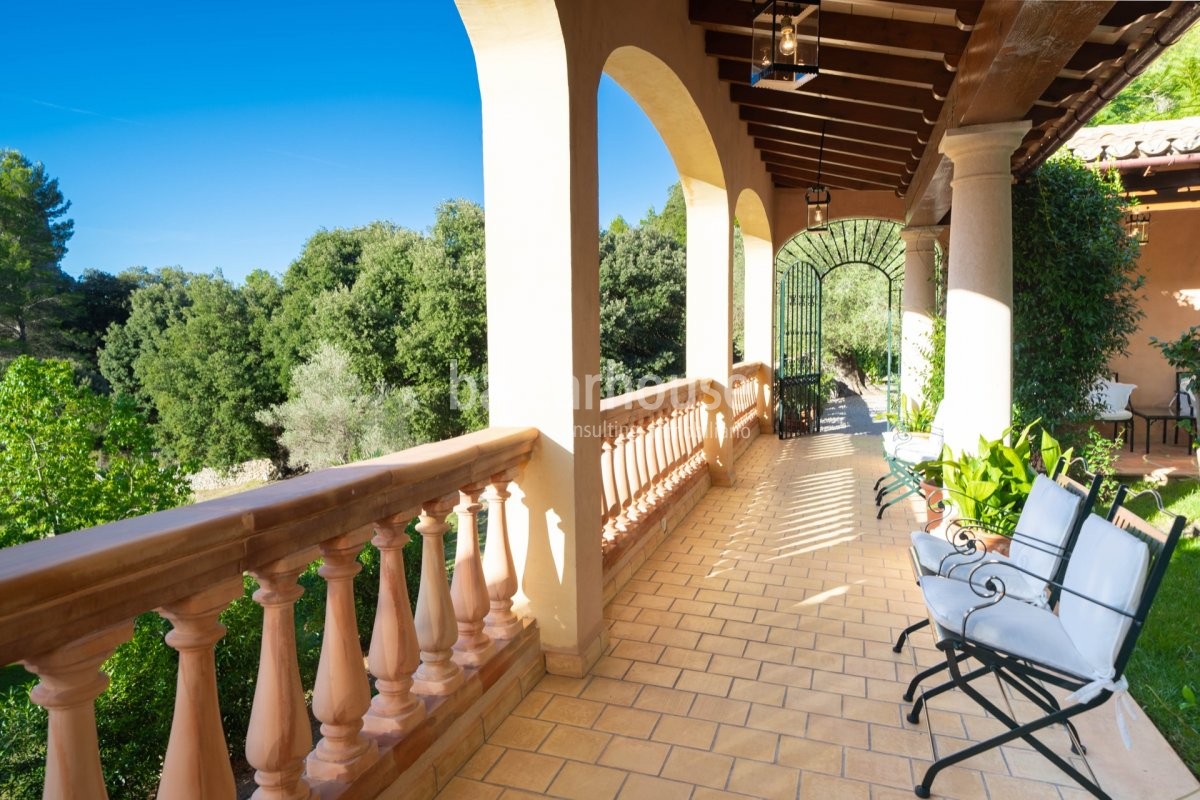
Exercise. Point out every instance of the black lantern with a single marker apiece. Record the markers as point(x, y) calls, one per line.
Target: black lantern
point(785, 43)
point(1137, 225)
point(817, 196)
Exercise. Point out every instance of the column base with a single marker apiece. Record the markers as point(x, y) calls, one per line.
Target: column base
point(577, 664)
point(318, 769)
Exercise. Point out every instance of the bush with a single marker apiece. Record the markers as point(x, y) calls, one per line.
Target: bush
point(1075, 289)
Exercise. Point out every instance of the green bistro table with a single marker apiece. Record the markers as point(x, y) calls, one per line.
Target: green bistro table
point(1163, 414)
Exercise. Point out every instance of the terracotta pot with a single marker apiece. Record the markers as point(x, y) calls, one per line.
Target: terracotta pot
point(995, 543)
point(933, 491)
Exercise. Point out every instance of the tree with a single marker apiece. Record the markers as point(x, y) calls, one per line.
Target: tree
point(854, 311)
point(70, 458)
point(158, 302)
point(1075, 288)
point(672, 222)
point(333, 417)
point(1168, 89)
point(206, 376)
point(643, 275)
point(447, 330)
point(33, 240)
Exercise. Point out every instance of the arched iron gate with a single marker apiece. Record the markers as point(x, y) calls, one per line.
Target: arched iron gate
point(800, 268)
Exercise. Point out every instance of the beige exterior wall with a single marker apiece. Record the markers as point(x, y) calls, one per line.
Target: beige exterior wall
point(1171, 300)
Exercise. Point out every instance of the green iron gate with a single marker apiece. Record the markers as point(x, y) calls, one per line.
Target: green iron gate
point(800, 268)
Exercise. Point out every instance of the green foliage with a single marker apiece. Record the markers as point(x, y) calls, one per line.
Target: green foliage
point(1100, 454)
point(933, 387)
point(643, 276)
point(448, 327)
point(672, 222)
point(913, 416)
point(332, 416)
point(1183, 354)
point(1075, 289)
point(854, 322)
point(1168, 650)
point(991, 485)
point(33, 240)
point(1168, 89)
point(70, 458)
point(739, 294)
point(206, 376)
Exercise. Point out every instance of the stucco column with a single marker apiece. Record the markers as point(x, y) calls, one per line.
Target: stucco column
point(918, 307)
point(543, 312)
point(979, 283)
point(759, 311)
point(709, 347)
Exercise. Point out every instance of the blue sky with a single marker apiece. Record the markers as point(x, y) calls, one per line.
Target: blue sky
point(222, 135)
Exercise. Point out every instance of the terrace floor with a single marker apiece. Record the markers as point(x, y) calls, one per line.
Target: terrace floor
point(751, 656)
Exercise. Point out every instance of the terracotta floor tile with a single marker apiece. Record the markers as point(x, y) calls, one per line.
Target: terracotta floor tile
point(734, 740)
point(587, 782)
point(521, 733)
point(521, 770)
point(634, 755)
point(698, 767)
point(763, 780)
point(627, 722)
point(572, 711)
point(644, 787)
point(810, 755)
point(682, 730)
point(606, 690)
point(465, 789)
point(578, 744)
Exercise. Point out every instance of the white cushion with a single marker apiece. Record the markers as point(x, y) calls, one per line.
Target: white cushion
point(912, 448)
point(1010, 626)
point(1048, 516)
point(1115, 416)
point(1112, 398)
point(1108, 565)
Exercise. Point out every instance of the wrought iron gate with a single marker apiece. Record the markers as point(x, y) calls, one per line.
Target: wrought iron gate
point(800, 268)
point(798, 376)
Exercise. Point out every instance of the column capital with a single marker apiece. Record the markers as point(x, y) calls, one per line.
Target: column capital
point(979, 150)
point(916, 235)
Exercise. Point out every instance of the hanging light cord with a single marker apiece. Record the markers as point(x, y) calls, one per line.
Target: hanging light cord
point(821, 153)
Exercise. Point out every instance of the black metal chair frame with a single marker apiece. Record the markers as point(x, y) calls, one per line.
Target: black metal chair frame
point(967, 545)
point(1027, 676)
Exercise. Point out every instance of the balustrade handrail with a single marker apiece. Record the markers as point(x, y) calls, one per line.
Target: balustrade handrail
point(55, 590)
point(633, 406)
point(746, 368)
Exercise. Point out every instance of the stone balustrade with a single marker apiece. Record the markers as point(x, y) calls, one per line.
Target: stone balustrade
point(66, 603)
point(653, 447)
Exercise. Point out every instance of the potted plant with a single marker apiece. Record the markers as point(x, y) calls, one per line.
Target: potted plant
point(1184, 355)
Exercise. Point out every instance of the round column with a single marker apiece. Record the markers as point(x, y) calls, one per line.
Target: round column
point(979, 283)
point(918, 304)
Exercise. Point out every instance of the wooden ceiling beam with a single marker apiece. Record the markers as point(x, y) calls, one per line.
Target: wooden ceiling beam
point(1127, 13)
point(1092, 54)
point(812, 138)
point(1015, 53)
point(890, 118)
point(838, 87)
point(831, 181)
point(829, 164)
point(770, 149)
point(853, 29)
point(840, 60)
point(833, 128)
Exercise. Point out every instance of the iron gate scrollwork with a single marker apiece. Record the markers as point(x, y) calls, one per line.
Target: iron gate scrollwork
point(801, 267)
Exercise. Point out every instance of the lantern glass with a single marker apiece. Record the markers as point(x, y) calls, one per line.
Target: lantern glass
point(785, 43)
point(1138, 226)
point(817, 198)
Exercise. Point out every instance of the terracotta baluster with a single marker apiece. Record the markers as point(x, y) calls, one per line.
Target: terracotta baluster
point(279, 736)
point(469, 590)
point(394, 653)
point(197, 760)
point(498, 566)
point(637, 468)
point(672, 437)
point(629, 438)
point(662, 452)
point(342, 693)
point(621, 478)
point(70, 681)
point(437, 628)
point(609, 503)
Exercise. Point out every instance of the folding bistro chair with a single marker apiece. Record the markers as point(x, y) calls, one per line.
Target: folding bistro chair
point(1111, 579)
point(1044, 535)
point(903, 451)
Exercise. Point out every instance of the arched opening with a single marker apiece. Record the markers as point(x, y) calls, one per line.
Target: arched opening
point(802, 268)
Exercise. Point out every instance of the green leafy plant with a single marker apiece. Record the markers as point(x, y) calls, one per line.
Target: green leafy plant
point(1100, 453)
point(1184, 355)
point(991, 484)
point(1189, 698)
point(912, 417)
